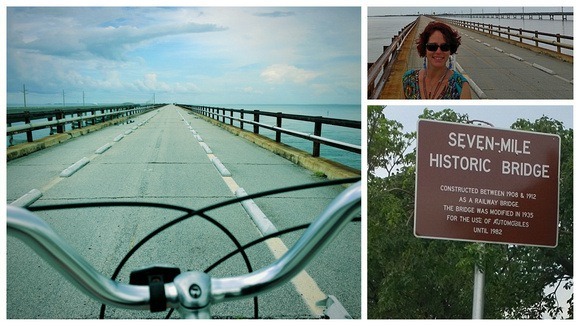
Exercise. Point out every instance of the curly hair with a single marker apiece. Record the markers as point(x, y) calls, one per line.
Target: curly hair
point(451, 37)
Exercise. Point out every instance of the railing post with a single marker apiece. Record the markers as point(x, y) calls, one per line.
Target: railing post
point(27, 120)
point(242, 118)
point(80, 122)
point(558, 42)
point(536, 34)
point(231, 117)
point(11, 136)
point(59, 127)
point(256, 119)
point(315, 144)
point(223, 115)
point(279, 125)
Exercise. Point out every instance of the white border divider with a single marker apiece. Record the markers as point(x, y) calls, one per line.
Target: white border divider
point(75, 167)
point(27, 199)
point(262, 222)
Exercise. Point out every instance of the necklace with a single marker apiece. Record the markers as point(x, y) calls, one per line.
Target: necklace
point(433, 92)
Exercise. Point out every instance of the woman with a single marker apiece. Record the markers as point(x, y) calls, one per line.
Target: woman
point(436, 44)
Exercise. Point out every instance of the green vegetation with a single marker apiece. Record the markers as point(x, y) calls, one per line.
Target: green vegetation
point(412, 278)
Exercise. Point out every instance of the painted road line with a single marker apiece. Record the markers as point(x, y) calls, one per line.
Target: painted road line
point(304, 283)
point(206, 148)
point(473, 85)
point(564, 79)
point(231, 183)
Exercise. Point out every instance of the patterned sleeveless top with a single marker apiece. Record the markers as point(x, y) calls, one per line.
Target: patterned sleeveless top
point(451, 92)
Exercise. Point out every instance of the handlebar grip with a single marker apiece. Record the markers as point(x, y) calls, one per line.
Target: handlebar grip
point(39, 236)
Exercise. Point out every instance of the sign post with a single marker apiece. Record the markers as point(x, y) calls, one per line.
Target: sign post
point(486, 185)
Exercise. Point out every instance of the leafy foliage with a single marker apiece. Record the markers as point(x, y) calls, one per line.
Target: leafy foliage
point(410, 277)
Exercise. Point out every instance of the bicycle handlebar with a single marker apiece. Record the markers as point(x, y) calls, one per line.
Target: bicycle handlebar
point(190, 292)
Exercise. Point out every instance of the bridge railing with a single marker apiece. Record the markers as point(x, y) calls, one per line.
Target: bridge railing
point(556, 42)
point(57, 120)
point(379, 72)
point(240, 116)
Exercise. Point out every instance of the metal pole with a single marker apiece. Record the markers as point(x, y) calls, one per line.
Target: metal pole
point(478, 295)
point(24, 92)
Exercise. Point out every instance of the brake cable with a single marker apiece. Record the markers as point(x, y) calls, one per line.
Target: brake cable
point(201, 213)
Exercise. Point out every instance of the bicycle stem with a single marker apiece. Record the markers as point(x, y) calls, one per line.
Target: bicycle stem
point(192, 293)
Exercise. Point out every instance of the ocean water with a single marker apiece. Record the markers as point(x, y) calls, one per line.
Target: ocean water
point(348, 135)
point(381, 31)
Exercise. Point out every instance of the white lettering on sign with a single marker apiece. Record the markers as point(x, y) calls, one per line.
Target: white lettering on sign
point(488, 143)
point(457, 162)
point(525, 169)
point(482, 164)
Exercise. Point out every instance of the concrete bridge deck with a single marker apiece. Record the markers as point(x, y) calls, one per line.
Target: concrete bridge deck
point(496, 69)
point(164, 161)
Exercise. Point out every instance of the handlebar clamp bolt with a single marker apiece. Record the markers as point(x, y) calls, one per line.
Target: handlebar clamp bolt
point(195, 291)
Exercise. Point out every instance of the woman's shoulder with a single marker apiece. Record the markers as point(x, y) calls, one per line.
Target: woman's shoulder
point(457, 76)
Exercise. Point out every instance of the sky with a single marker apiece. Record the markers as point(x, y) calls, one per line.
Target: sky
point(206, 55)
point(442, 8)
point(500, 116)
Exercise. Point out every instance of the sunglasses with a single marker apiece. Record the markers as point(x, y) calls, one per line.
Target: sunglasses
point(434, 46)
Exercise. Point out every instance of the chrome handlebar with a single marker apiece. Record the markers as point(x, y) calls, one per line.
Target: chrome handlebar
point(191, 293)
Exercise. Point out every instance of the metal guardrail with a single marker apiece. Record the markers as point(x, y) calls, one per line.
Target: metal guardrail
point(58, 119)
point(379, 72)
point(519, 34)
point(516, 15)
point(227, 114)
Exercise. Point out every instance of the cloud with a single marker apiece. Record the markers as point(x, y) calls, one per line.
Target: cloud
point(71, 36)
point(282, 73)
point(276, 14)
point(245, 54)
